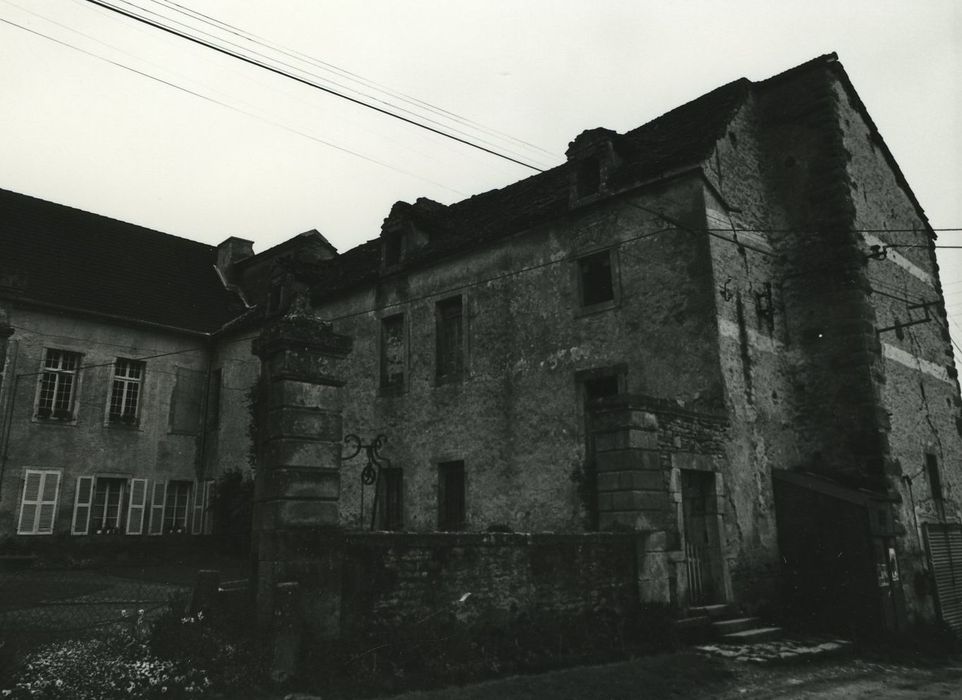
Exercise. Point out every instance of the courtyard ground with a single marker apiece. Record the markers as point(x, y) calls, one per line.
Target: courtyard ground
point(690, 675)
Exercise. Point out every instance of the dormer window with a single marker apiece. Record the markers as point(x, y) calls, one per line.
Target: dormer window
point(393, 246)
point(592, 157)
point(588, 177)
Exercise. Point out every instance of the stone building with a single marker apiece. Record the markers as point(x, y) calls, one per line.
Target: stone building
point(723, 330)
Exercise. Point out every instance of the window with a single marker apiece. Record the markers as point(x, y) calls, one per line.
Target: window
point(450, 340)
point(588, 177)
point(933, 475)
point(125, 392)
point(109, 505)
point(600, 387)
point(451, 495)
point(390, 486)
point(213, 398)
point(38, 503)
point(596, 278)
point(393, 355)
point(392, 248)
point(58, 384)
point(187, 401)
point(176, 506)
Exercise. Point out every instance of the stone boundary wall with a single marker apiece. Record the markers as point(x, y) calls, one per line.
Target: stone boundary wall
point(370, 583)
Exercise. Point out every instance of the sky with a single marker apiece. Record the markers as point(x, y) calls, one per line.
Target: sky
point(114, 117)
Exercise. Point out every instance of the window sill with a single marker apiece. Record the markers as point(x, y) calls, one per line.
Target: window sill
point(597, 308)
point(51, 420)
point(121, 425)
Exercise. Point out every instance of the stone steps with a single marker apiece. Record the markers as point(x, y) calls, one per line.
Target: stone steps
point(752, 635)
point(734, 624)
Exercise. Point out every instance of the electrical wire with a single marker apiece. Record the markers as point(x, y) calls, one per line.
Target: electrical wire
point(273, 69)
point(254, 38)
point(301, 70)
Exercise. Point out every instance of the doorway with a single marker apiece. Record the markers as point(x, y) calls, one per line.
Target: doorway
point(702, 545)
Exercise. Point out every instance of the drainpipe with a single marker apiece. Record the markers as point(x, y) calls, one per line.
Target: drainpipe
point(8, 414)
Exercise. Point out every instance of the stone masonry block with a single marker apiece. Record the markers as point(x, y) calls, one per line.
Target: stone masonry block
point(319, 483)
point(624, 439)
point(631, 480)
point(626, 460)
point(690, 460)
point(289, 452)
point(290, 392)
point(299, 422)
point(292, 513)
point(306, 365)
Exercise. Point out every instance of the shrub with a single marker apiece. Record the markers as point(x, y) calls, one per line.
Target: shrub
point(118, 664)
point(229, 654)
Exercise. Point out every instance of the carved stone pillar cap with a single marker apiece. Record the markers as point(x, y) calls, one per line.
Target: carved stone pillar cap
point(301, 332)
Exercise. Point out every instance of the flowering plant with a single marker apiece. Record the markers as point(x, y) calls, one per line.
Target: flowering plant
point(117, 665)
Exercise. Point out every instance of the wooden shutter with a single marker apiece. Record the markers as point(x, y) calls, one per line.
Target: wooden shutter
point(83, 501)
point(197, 518)
point(945, 555)
point(138, 506)
point(157, 508)
point(49, 497)
point(208, 513)
point(30, 503)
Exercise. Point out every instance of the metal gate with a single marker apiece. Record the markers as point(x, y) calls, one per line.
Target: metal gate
point(944, 544)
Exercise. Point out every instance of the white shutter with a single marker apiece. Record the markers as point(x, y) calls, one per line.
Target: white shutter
point(30, 503)
point(208, 513)
point(83, 500)
point(157, 508)
point(198, 513)
point(137, 507)
point(49, 497)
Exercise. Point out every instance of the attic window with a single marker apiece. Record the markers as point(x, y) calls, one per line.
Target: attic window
point(589, 177)
point(392, 249)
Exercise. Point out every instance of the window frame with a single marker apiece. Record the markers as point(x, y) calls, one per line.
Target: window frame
point(39, 502)
point(444, 468)
point(460, 370)
point(74, 401)
point(384, 387)
point(183, 527)
point(583, 309)
point(126, 419)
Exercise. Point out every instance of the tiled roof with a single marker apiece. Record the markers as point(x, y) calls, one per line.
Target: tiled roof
point(78, 260)
point(682, 137)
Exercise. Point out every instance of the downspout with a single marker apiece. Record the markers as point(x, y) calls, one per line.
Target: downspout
point(8, 413)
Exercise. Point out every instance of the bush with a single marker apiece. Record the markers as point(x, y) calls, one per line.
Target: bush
point(117, 664)
point(229, 654)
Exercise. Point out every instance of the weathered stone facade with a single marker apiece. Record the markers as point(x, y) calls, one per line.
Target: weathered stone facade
point(645, 338)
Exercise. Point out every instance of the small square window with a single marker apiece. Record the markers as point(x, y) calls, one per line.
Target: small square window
point(596, 281)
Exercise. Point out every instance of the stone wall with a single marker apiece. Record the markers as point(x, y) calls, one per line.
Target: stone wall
point(373, 583)
point(516, 417)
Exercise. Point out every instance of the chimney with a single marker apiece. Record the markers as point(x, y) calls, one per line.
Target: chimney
point(231, 251)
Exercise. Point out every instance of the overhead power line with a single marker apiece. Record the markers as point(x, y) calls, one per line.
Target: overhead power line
point(251, 52)
point(310, 83)
point(332, 68)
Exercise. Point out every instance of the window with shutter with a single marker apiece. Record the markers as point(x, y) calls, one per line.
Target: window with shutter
point(38, 504)
point(176, 506)
point(393, 355)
